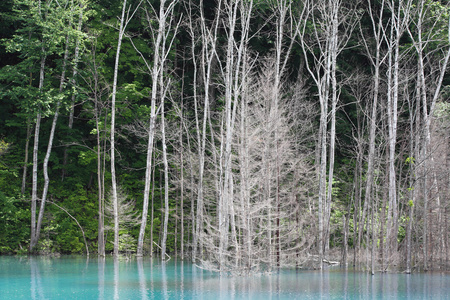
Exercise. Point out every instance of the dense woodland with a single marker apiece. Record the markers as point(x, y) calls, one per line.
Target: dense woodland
point(246, 135)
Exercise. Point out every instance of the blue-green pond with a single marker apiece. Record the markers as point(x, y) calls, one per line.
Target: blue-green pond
point(93, 278)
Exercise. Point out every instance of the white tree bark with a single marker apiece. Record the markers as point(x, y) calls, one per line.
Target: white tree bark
point(376, 59)
point(34, 231)
point(424, 89)
point(51, 137)
point(326, 16)
point(333, 52)
point(208, 54)
point(166, 177)
point(161, 47)
point(113, 131)
point(400, 18)
point(232, 79)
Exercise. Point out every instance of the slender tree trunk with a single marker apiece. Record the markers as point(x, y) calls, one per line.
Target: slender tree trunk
point(322, 177)
point(281, 57)
point(383, 231)
point(113, 131)
point(34, 232)
point(244, 178)
point(374, 208)
point(45, 170)
point(393, 81)
point(161, 205)
point(326, 17)
point(333, 52)
point(226, 195)
point(427, 116)
point(152, 214)
point(345, 221)
point(148, 179)
point(157, 73)
point(51, 138)
point(123, 24)
point(233, 74)
point(100, 164)
point(25, 164)
point(103, 194)
point(166, 181)
point(208, 54)
point(377, 30)
point(356, 210)
point(100, 175)
point(181, 190)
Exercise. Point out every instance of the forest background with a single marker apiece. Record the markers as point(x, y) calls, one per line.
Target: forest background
point(246, 135)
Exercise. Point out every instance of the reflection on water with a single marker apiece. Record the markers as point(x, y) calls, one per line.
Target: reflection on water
point(164, 281)
point(36, 287)
point(116, 278)
point(143, 278)
point(101, 277)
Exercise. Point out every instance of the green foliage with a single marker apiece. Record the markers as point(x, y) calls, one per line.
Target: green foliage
point(69, 240)
point(87, 157)
point(3, 147)
point(402, 228)
point(6, 174)
point(410, 160)
point(13, 214)
point(127, 243)
point(442, 112)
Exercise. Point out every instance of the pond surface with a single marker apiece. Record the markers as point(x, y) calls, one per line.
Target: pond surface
point(83, 278)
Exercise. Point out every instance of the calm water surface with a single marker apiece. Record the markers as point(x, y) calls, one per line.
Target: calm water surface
point(82, 278)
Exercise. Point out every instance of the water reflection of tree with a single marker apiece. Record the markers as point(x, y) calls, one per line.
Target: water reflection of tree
point(101, 277)
point(142, 281)
point(36, 285)
point(165, 291)
point(116, 278)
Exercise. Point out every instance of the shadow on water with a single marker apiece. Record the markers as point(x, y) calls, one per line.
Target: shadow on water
point(146, 278)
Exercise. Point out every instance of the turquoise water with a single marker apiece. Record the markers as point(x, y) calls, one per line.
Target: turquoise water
point(82, 278)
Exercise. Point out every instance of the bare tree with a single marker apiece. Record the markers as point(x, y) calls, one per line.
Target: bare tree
point(113, 132)
point(276, 167)
point(126, 217)
point(161, 43)
point(204, 63)
point(34, 229)
point(399, 21)
point(97, 91)
point(166, 172)
point(125, 18)
point(376, 59)
point(429, 89)
point(232, 74)
point(326, 17)
point(220, 245)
